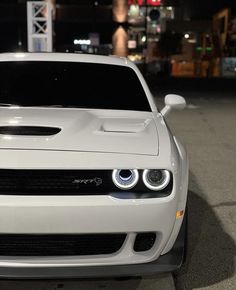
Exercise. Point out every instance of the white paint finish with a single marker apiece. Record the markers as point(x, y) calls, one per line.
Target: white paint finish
point(83, 130)
point(39, 159)
point(83, 214)
point(106, 214)
point(173, 102)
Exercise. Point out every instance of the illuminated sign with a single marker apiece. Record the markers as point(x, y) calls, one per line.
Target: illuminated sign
point(154, 2)
point(145, 2)
point(135, 2)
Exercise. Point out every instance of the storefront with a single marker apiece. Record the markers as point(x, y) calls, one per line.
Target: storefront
point(147, 20)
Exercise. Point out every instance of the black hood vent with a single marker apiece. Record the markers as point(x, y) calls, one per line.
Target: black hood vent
point(29, 130)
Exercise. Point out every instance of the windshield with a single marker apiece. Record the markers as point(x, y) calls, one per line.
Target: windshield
point(71, 84)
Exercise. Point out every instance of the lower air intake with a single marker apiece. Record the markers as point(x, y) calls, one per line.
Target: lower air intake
point(60, 245)
point(144, 242)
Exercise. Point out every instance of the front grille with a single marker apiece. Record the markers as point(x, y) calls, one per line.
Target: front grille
point(43, 182)
point(70, 182)
point(60, 245)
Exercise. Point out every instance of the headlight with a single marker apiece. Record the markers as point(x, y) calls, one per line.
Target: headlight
point(125, 178)
point(156, 179)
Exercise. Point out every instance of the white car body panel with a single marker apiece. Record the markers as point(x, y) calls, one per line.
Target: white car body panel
point(92, 139)
point(83, 130)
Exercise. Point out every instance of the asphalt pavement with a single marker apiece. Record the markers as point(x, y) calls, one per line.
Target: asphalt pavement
point(207, 128)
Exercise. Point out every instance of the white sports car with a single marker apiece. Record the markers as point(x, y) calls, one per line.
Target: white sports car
point(92, 182)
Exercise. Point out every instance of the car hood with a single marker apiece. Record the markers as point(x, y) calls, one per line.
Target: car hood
point(110, 131)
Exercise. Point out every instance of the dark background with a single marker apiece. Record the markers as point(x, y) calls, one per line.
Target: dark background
point(76, 17)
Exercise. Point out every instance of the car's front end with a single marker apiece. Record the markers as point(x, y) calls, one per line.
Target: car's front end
point(89, 192)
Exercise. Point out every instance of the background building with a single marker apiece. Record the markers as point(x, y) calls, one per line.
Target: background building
point(181, 38)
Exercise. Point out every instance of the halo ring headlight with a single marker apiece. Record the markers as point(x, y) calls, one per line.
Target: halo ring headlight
point(125, 178)
point(156, 179)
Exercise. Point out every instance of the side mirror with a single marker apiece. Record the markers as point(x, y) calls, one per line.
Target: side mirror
point(173, 102)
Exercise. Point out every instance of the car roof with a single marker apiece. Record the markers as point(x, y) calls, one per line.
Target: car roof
point(73, 57)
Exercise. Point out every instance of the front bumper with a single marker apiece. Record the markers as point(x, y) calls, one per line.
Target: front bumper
point(166, 263)
point(89, 215)
point(93, 215)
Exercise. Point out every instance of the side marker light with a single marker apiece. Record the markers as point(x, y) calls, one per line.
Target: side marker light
point(179, 214)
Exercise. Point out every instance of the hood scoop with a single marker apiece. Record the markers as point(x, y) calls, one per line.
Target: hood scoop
point(29, 130)
point(124, 126)
point(79, 130)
